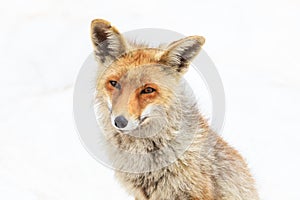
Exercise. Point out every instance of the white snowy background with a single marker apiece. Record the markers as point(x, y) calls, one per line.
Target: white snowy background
point(254, 44)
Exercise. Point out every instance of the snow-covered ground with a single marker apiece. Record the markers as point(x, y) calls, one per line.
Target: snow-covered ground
point(254, 44)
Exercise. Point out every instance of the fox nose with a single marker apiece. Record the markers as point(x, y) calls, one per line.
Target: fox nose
point(121, 121)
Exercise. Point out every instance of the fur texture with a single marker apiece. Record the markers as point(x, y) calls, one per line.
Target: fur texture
point(167, 151)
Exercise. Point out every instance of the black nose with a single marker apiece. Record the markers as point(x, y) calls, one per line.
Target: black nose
point(121, 121)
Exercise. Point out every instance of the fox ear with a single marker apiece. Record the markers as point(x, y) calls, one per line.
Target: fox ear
point(107, 41)
point(180, 53)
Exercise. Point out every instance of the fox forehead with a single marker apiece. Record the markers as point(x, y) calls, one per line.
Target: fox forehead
point(141, 75)
point(138, 67)
point(135, 59)
point(141, 56)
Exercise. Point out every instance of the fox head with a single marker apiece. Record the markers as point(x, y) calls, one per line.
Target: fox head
point(138, 85)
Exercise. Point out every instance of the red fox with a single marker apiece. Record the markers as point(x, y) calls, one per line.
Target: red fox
point(145, 109)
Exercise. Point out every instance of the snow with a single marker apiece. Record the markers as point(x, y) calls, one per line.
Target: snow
point(254, 45)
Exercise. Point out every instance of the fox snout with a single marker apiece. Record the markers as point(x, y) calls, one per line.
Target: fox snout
point(124, 123)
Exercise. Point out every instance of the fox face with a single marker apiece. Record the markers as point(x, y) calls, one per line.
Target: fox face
point(137, 85)
point(135, 95)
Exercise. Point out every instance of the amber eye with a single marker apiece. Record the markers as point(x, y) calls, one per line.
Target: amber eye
point(147, 90)
point(115, 84)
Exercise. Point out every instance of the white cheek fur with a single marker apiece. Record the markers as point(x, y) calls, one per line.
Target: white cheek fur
point(147, 111)
point(109, 104)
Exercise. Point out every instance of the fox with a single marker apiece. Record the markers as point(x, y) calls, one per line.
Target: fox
point(161, 146)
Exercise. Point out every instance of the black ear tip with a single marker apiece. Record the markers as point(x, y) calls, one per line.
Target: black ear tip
point(202, 40)
point(100, 24)
point(199, 39)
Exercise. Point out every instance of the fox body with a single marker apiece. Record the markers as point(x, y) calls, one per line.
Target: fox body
point(161, 146)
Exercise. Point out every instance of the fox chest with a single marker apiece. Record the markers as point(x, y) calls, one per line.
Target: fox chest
point(154, 186)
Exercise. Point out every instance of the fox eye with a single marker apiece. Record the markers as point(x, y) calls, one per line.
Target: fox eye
point(115, 84)
point(147, 90)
